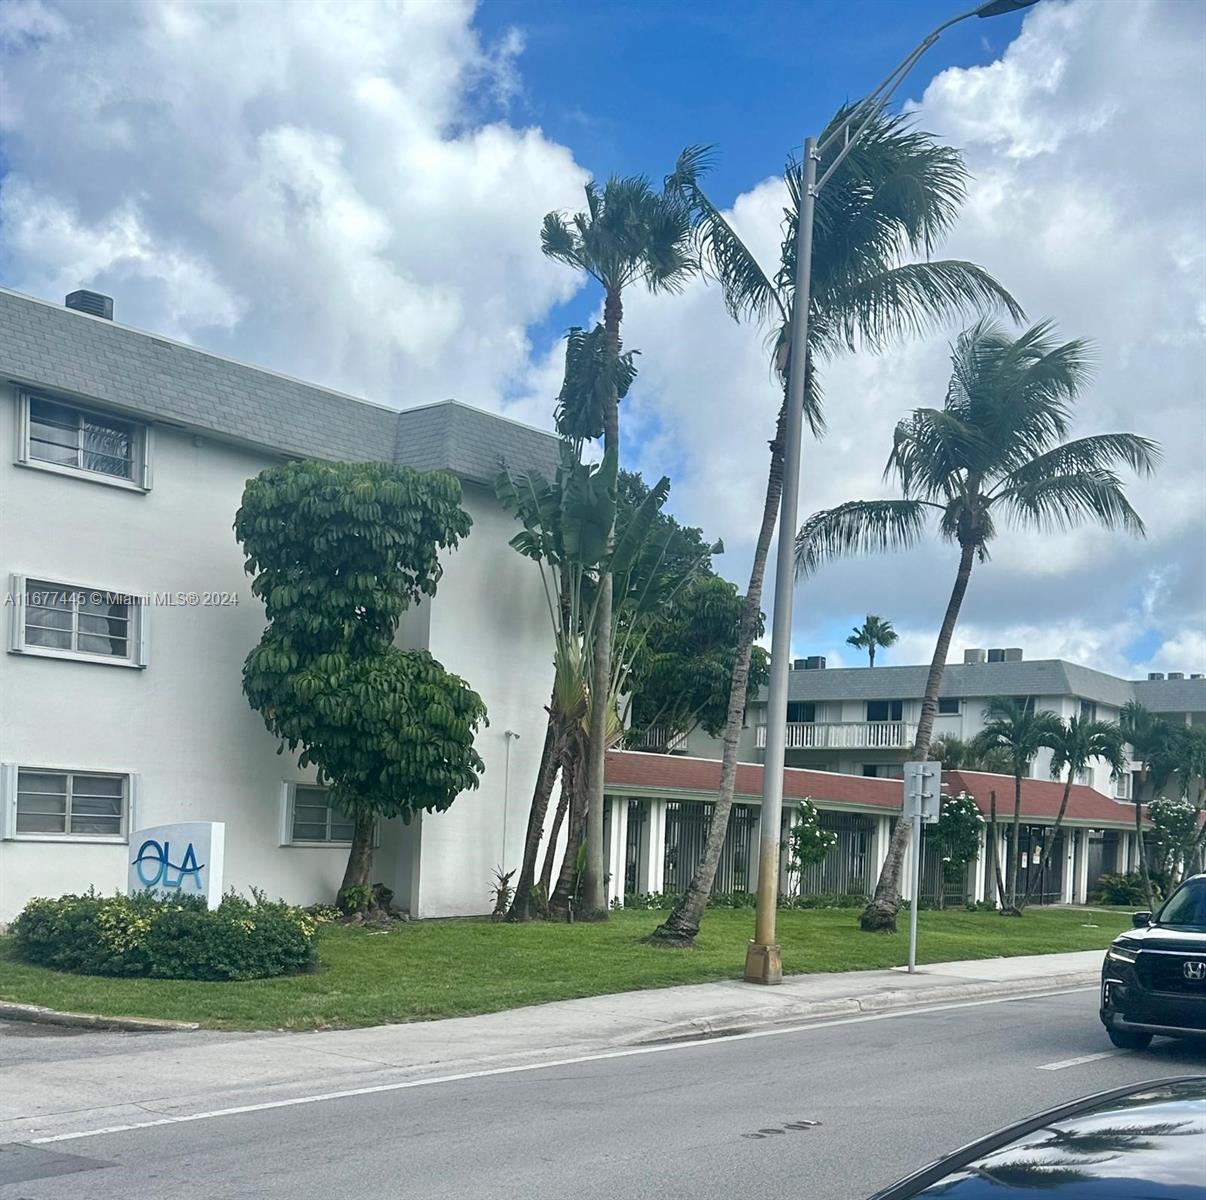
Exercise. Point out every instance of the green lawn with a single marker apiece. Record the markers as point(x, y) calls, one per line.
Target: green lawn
point(431, 969)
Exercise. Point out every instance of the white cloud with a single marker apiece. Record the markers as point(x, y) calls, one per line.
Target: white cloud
point(1085, 143)
point(320, 193)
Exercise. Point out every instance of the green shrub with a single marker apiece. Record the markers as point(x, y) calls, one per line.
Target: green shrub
point(1122, 889)
point(849, 900)
point(178, 938)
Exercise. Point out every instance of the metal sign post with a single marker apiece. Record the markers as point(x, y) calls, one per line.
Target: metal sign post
point(922, 805)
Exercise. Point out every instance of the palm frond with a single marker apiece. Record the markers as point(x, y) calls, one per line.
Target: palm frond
point(592, 373)
point(858, 527)
point(1061, 502)
point(1099, 452)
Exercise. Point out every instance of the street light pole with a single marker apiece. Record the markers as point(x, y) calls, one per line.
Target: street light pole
point(763, 959)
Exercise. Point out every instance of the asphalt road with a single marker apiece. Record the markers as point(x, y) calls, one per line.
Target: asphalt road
point(831, 1111)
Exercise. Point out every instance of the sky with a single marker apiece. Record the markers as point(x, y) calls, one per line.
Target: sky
point(351, 193)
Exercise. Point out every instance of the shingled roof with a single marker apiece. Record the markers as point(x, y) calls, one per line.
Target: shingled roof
point(46, 346)
point(676, 777)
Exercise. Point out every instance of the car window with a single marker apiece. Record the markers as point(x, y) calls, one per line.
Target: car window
point(1186, 906)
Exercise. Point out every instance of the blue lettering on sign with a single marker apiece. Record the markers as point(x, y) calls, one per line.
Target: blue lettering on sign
point(152, 856)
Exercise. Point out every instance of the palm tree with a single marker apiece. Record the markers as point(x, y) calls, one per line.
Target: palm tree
point(628, 234)
point(871, 634)
point(957, 755)
point(1015, 727)
point(1075, 745)
point(891, 200)
point(994, 450)
point(1153, 746)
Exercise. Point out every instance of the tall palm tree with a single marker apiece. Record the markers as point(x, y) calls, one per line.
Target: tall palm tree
point(994, 450)
point(1015, 727)
point(628, 234)
point(873, 633)
point(877, 222)
point(1153, 746)
point(1073, 747)
point(957, 755)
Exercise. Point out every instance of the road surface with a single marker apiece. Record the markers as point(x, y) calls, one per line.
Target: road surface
point(828, 1111)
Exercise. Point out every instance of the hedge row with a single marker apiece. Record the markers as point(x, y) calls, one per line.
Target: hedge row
point(167, 939)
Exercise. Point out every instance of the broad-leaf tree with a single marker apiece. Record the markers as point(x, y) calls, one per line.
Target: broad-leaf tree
point(874, 633)
point(628, 234)
point(1074, 746)
point(1016, 728)
point(994, 452)
point(338, 551)
point(878, 221)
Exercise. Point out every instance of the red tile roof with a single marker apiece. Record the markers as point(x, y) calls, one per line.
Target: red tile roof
point(635, 773)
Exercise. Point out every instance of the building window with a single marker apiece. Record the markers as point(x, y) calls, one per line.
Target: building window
point(61, 620)
point(62, 437)
point(885, 710)
point(1088, 710)
point(313, 818)
point(948, 706)
point(71, 803)
point(801, 712)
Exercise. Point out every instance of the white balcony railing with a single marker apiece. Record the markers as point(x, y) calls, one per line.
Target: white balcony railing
point(658, 737)
point(845, 735)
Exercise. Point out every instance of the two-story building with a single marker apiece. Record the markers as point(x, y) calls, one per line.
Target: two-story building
point(127, 616)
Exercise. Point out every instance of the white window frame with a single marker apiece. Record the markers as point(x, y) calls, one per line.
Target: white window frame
point(138, 640)
point(142, 436)
point(948, 700)
point(8, 805)
point(288, 797)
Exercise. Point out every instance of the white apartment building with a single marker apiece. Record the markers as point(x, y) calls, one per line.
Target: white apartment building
point(863, 720)
point(127, 616)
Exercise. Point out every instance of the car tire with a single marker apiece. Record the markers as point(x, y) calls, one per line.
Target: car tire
point(1126, 1039)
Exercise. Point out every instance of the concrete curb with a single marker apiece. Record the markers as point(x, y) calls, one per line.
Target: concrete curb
point(37, 1015)
point(794, 1011)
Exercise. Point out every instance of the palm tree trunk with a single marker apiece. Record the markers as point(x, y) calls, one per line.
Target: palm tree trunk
point(559, 901)
point(1015, 873)
point(880, 915)
point(360, 856)
point(1143, 873)
point(594, 891)
point(546, 777)
point(682, 925)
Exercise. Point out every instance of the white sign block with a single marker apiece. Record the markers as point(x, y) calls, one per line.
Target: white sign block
point(923, 791)
point(184, 859)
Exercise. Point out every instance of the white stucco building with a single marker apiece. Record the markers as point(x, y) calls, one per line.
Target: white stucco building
point(127, 615)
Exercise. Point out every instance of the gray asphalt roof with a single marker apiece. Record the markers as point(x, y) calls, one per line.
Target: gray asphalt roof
point(48, 346)
point(1038, 677)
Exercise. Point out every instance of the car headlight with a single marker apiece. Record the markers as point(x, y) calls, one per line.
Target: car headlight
point(1121, 954)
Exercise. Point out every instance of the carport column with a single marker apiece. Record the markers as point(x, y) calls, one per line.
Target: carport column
point(618, 850)
point(1124, 853)
point(651, 871)
point(978, 867)
point(883, 835)
point(1067, 883)
point(906, 878)
point(791, 818)
point(1082, 866)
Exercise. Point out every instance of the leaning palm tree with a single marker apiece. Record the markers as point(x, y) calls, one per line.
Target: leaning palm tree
point(629, 234)
point(1153, 745)
point(1076, 745)
point(995, 450)
point(877, 222)
point(872, 634)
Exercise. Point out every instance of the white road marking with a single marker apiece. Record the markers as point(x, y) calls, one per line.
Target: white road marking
point(487, 1072)
point(1084, 1058)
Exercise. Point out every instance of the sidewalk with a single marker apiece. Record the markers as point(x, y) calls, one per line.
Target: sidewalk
point(52, 1082)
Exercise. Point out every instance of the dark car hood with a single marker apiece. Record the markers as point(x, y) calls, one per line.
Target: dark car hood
point(1164, 937)
point(1149, 1143)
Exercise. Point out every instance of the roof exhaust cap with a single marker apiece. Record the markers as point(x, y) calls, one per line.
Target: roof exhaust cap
point(92, 303)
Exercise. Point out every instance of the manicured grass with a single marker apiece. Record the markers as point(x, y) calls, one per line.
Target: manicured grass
point(434, 969)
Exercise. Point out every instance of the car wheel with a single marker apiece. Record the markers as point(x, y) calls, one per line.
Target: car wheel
point(1126, 1039)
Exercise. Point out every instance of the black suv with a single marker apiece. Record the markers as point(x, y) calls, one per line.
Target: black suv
point(1154, 976)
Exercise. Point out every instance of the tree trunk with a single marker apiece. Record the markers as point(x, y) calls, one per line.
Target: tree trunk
point(1143, 873)
point(360, 857)
point(568, 785)
point(521, 905)
point(563, 893)
point(870, 656)
point(594, 889)
point(682, 925)
point(1015, 874)
point(880, 915)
